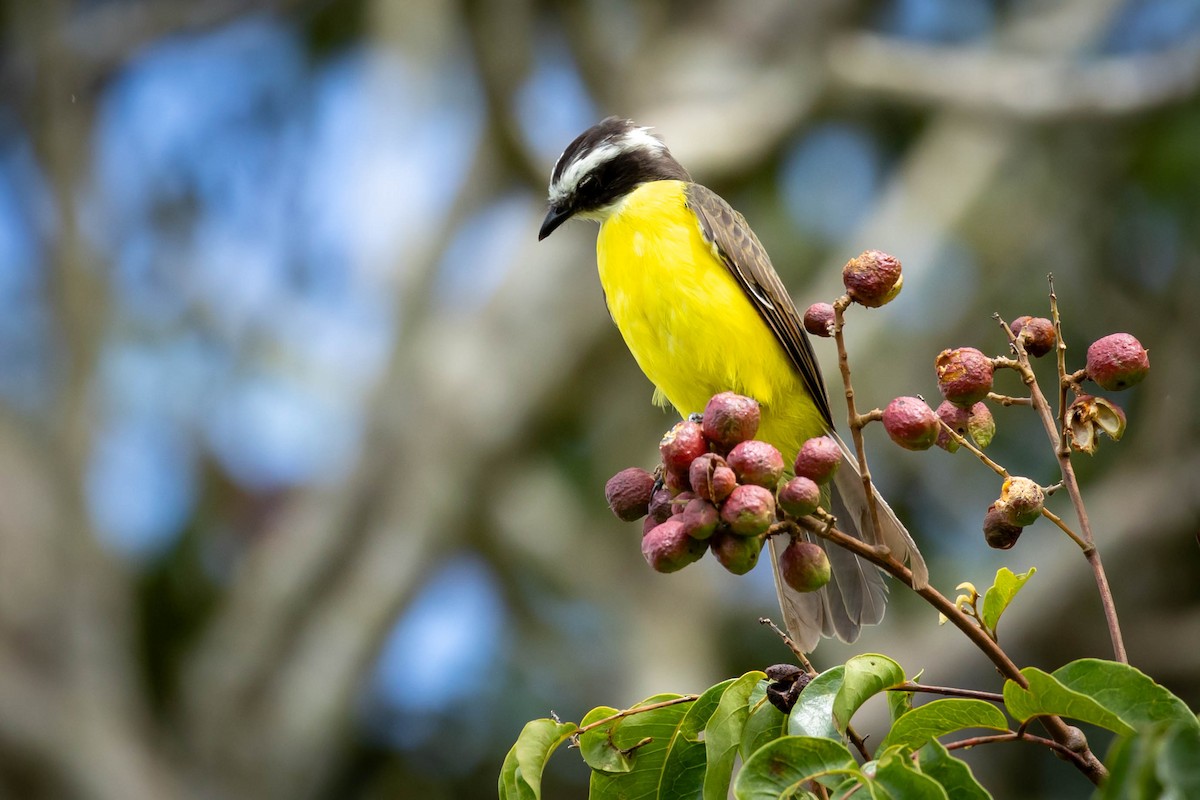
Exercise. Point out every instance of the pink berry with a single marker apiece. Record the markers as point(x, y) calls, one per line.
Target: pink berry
point(911, 423)
point(964, 375)
point(1117, 361)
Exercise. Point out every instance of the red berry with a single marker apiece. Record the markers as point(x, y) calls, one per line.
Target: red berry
point(911, 423)
point(668, 548)
point(819, 320)
point(964, 375)
point(756, 462)
point(711, 478)
point(873, 278)
point(1036, 333)
point(1117, 361)
point(749, 510)
point(800, 496)
point(730, 418)
point(682, 444)
point(818, 459)
point(628, 493)
point(804, 565)
point(956, 419)
point(660, 504)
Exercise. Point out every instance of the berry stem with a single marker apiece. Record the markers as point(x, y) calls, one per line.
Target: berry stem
point(1007, 400)
point(856, 422)
point(1059, 730)
point(1062, 450)
point(1064, 381)
point(964, 442)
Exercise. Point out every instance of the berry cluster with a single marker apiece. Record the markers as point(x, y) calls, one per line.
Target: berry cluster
point(965, 376)
point(720, 489)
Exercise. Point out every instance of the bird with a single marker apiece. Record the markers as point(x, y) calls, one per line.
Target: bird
point(700, 307)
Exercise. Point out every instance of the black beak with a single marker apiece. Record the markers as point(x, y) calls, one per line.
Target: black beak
point(556, 216)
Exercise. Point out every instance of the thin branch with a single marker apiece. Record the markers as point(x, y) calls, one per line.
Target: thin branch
point(1008, 400)
point(629, 712)
point(856, 422)
point(1059, 730)
point(964, 442)
point(1019, 736)
point(791, 645)
point(1062, 525)
point(948, 691)
point(1071, 484)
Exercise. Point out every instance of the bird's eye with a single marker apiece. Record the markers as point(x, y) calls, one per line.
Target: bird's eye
point(589, 183)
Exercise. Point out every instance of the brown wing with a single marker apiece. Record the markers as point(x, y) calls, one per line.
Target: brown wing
point(747, 260)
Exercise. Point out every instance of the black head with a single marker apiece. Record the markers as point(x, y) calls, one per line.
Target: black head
point(603, 164)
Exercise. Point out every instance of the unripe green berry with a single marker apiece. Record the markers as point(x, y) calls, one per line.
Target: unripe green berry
point(738, 554)
point(804, 565)
point(749, 510)
point(800, 496)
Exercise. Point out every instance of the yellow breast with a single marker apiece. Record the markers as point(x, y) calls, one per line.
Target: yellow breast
point(687, 322)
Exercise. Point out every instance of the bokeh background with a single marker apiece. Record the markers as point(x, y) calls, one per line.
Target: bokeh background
point(303, 435)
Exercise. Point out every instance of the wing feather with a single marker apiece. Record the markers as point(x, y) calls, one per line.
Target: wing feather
point(746, 259)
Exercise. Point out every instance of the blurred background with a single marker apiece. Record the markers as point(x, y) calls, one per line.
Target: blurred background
point(303, 436)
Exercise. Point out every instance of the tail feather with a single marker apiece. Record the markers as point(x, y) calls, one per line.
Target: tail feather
point(856, 594)
point(848, 486)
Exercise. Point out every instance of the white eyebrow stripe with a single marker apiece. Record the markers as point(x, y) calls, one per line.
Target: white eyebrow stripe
point(634, 139)
point(569, 180)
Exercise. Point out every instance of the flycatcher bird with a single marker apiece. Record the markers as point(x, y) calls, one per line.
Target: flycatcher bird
point(702, 310)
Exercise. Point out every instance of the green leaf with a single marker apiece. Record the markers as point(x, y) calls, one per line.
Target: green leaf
point(899, 704)
point(952, 773)
point(1114, 696)
point(784, 765)
point(1125, 690)
point(595, 747)
point(813, 713)
point(939, 717)
point(895, 773)
point(765, 724)
point(521, 773)
point(1046, 695)
point(1000, 594)
point(1162, 761)
point(865, 676)
point(664, 761)
point(1178, 763)
point(723, 733)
